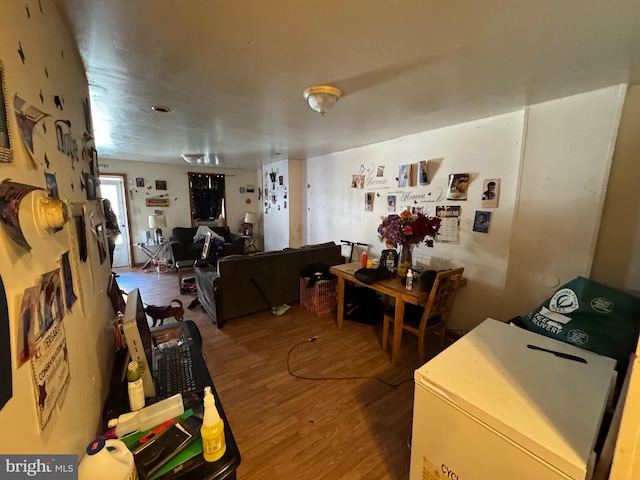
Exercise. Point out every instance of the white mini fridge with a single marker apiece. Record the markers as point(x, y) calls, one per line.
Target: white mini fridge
point(503, 403)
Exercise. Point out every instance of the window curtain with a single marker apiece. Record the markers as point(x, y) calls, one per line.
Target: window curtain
point(207, 195)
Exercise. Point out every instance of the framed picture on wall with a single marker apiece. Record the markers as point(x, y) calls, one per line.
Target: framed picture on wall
point(139, 182)
point(6, 155)
point(91, 184)
point(161, 184)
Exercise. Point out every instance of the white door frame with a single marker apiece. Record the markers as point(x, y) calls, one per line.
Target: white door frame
point(124, 249)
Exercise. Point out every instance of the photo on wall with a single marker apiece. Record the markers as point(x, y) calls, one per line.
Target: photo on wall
point(490, 193)
point(423, 173)
point(403, 175)
point(369, 198)
point(481, 221)
point(391, 203)
point(458, 186)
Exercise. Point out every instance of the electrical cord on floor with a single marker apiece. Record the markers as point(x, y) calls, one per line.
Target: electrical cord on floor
point(313, 339)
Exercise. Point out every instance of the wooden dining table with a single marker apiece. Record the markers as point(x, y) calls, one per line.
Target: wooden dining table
point(392, 287)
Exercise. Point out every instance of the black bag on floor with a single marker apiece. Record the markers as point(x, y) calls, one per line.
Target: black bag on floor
point(362, 305)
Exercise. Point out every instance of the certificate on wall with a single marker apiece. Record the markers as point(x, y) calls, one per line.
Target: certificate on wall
point(50, 369)
point(449, 224)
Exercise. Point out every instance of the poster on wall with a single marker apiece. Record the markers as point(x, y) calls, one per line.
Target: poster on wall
point(51, 302)
point(28, 325)
point(449, 216)
point(50, 369)
point(5, 349)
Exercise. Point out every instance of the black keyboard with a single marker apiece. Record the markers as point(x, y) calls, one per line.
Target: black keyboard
point(174, 371)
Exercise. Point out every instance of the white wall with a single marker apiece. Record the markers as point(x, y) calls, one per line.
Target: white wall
point(52, 67)
point(178, 213)
point(569, 135)
point(567, 157)
point(283, 204)
point(488, 148)
point(617, 259)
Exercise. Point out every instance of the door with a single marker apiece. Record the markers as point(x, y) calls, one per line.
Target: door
point(113, 187)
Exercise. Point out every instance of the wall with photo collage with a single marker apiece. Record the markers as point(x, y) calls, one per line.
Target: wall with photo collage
point(55, 341)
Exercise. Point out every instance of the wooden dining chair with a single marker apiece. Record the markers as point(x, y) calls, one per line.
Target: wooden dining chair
point(433, 315)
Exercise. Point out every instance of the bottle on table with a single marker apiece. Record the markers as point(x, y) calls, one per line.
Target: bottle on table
point(409, 280)
point(134, 386)
point(212, 430)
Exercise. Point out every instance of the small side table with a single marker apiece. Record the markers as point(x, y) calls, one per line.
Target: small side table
point(250, 244)
point(152, 251)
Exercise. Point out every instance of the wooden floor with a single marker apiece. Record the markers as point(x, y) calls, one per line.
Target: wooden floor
point(291, 428)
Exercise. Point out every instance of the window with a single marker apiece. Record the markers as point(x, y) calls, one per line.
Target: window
point(207, 196)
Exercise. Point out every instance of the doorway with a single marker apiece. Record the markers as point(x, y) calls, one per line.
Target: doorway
point(113, 186)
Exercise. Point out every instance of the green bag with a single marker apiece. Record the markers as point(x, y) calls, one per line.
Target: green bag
point(592, 316)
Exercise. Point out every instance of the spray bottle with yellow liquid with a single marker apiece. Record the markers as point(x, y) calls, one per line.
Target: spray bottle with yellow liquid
point(212, 430)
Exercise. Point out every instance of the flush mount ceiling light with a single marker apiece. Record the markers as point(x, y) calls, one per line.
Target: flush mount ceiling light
point(202, 158)
point(322, 97)
point(160, 109)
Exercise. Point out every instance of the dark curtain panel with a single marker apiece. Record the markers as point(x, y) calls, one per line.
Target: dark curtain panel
point(207, 195)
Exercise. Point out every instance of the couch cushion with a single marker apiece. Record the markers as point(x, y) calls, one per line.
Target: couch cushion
point(183, 234)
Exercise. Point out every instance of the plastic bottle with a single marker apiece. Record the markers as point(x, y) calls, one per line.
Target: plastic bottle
point(107, 460)
point(212, 430)
point(363, 260)
point(150, 416)
point(390, 263)
point(409, 281)
point(134, 386)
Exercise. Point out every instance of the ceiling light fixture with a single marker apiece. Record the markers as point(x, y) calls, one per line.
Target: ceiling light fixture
point(322, 97)
point(202, 158)
point(160, 109)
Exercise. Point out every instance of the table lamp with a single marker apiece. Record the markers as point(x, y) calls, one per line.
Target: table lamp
point(157, 221)
point(249, 219)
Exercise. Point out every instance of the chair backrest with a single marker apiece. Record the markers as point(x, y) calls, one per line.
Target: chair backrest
point(442, 295)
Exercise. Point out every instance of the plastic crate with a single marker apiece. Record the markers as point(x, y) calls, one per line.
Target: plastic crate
point(320, 298)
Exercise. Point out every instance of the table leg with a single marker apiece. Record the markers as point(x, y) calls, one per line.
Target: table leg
point(398, 319)
point(340, 300)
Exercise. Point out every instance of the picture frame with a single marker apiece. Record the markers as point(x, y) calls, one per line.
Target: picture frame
point(139, 182)
point(91, 183)
point(161, 184)
point(6, 154)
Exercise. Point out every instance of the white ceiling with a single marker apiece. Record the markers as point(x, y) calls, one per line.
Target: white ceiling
point(233, 72)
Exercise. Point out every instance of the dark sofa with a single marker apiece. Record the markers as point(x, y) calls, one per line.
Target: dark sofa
point(184, 248)
point(227, 291)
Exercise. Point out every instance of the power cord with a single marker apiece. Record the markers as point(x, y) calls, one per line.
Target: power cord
point(302, 377)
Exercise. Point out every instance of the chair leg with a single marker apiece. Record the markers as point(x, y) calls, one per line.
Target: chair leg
point(421, 349)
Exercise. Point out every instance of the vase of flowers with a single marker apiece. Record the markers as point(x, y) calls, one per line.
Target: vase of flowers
point(408, 229)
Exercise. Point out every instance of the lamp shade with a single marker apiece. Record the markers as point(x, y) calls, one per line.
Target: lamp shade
point(157, 221)
point(250, 217)
point(322, 97)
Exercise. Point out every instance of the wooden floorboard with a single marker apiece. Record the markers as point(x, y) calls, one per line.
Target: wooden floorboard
point(344, 424)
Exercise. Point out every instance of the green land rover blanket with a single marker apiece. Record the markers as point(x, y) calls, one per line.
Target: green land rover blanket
point(592, 316)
